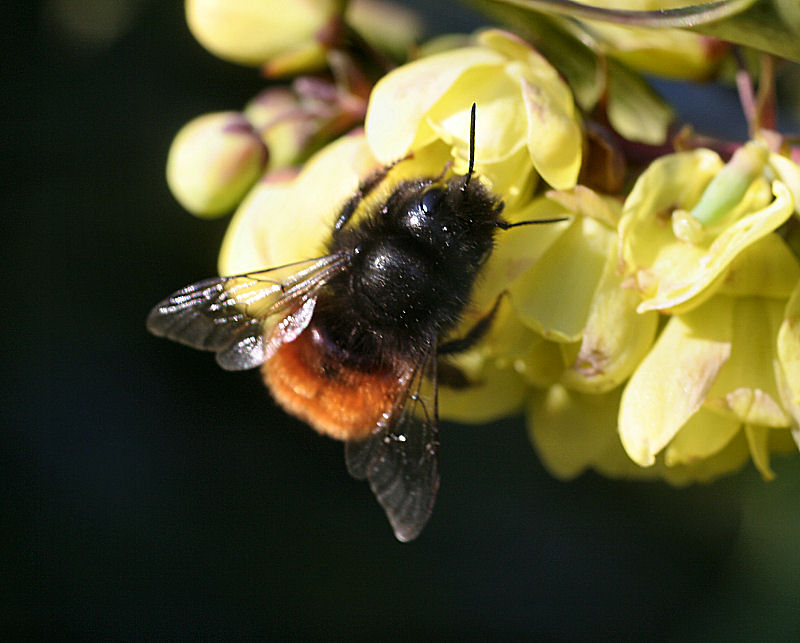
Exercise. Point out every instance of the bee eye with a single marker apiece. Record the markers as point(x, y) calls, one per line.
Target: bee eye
point(431, 199)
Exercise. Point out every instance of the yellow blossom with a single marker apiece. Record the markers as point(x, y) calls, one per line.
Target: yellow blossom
point(526, 116)
point(689, 216)
point(562, 320)
point(563, 282)
point(574, 431)
point(714, 371)
point(789, 360)
point(574, 340)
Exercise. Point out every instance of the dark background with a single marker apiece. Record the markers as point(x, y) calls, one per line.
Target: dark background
point(147, 493)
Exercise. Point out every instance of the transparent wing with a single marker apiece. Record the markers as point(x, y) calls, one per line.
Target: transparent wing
point(400, 458)
point(227, 315)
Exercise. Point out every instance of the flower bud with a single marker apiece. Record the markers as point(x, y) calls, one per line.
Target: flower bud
point(255, 32)
point(730, 184)
point(284, 126)
point(213, 161)
point(392, 28)
point(670, 53)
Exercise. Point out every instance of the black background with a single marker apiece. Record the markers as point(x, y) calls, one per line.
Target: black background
point(147, 493)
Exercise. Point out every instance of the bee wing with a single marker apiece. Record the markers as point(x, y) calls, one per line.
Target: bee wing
point(227, 315)
point(400, 459)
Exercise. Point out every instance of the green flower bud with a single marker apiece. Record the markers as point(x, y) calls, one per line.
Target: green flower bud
point(388, 27)
point(213, 161)
point(730, 184)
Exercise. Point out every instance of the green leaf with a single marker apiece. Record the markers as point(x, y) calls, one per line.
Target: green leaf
point(772, 26)
point(681, 17)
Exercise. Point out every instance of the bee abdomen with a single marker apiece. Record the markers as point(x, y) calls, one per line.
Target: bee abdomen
point(336, 399)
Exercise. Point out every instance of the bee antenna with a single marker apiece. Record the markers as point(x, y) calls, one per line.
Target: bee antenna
point(505, 225)
point(471, 145)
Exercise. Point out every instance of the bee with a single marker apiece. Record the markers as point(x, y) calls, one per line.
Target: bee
point(350, 341)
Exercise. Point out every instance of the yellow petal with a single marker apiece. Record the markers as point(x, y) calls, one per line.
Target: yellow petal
point(246, 247)
point(758, 442)
point(768, 268)
point(554, 297)
point(513, 178)
point(519, 248)
point(554, 138)
point(499, 129)
point(541, 364)
point(746, 389)
point(534, 67)
point(572, 431)
point(731, 457)
point(672, 381)
point(400, 100)
point(705, 434)
point(615, 338)
point(300, 226)
point(278, 225)
point(788, 172)
point(673, 274)
point(788, 350)
point(588, 203)
point(495, 394)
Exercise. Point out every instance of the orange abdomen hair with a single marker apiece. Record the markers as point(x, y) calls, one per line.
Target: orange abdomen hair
point(342, 402)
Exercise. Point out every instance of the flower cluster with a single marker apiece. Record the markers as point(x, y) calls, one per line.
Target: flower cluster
point(652, 333)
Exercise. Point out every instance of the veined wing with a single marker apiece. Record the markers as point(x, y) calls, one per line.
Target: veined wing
point(228, 315)
point(400, 458)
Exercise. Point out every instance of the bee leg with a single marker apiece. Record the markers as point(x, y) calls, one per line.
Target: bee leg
point(365, 187)
point(474, 334)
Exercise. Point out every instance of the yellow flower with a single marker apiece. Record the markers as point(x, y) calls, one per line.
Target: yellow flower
point(689, 216)
point(213, 162)
point(565, 318)
point(526, 117)
point(574, 431)
point(715, 370)
point(563, 282)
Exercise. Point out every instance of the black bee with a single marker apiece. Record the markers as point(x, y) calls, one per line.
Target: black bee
point(349, 342)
